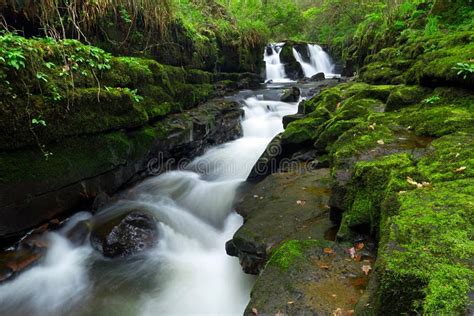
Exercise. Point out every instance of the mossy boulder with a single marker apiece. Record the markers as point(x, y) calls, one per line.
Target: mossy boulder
point(428, 246)
point(404, 96)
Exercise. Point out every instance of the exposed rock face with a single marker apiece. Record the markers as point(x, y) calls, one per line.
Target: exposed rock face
point(126, 235)
point(293, 68)
point(106, 162)
point(283, 205)
point(291, 95)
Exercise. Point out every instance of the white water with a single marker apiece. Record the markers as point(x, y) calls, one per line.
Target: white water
point(189, 271)
point(274, 69)
point(319, 62)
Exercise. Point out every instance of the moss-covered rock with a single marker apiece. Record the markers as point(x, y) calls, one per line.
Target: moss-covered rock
point(428, 245)
point(404, 96)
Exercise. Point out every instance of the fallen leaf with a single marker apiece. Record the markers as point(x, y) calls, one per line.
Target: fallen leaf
point(457, 155)
point(254, 311)
point(328, 250)
point(352, 252)
point(337, 312)
point(350, 312)
point(357, 258)
point(334, 295)
point(380, 142)
point(301, 202)
point(402, 192)
point(426, 184)
point(366, 268)
point(372, 126)
point(279, 314)
point(323, 266)
point(460, 169)
point(291, 302)
point(359, 246)
point(255, 196)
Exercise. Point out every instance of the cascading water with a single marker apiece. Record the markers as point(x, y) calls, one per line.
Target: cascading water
point(275, 70)
point(188, 272)
point(319, 62)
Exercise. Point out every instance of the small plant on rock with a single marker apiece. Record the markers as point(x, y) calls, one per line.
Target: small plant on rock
point(464, 69)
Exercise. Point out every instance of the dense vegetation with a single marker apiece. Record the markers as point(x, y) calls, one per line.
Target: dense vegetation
point(78, 78)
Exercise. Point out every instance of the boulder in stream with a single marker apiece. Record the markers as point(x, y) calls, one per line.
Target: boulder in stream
point(125, 235)
point(318, 77)
point(291, 95)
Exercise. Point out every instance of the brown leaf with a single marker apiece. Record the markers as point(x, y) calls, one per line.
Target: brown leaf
point(301, 202)
point(328, 250)
point(254, 311)
point(323, 266)
point(357, 258)
point(337, 312)
point(460, 169)
point(366, 268)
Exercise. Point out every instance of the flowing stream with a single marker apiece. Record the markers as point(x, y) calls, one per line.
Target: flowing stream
point(319, 61)
point(188, 272)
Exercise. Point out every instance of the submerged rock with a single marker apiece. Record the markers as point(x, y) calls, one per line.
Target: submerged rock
point(291, 95)
point(126, 235)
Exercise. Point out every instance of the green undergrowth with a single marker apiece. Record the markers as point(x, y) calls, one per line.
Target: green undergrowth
point(290, 251)
point(74, 89)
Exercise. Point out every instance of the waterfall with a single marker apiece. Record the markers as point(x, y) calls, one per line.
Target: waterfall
point(275, 70)
point(319, 61)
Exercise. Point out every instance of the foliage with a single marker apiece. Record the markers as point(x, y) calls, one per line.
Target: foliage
point(464, 69)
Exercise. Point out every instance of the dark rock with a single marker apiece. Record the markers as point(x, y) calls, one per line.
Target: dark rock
point(125, 235)
point(272, 215)
point(268, 161)
point(318, 77)
point(305, 155)
point(100, 201)
point(293, 68)
point(231, 249)
point(301, 107)
point(291, 95)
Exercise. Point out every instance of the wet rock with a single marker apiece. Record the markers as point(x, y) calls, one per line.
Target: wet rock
point(283, 205)
point(125, 235)
point(22, 256)
point(310, 277)
point(318, 77)
point(100, 201)
point(268, 162)
point(79, 233)
point(291, 95)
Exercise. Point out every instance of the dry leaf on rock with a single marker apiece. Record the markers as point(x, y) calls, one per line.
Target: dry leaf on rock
point(366, 269)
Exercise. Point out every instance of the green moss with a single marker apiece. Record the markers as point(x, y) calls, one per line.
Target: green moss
point(429, 242)
point(381, 73)
point(90, 156)
point(437, 120)
point(404, 96)
point(300, 131)
point(450, 158)
point(369, 188)
point(291, 251)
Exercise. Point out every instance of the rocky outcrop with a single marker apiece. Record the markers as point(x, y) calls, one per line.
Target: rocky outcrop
point(125, 235)
point(293, 69)
point(34, 190)
point(318, 77)
point(290, 205)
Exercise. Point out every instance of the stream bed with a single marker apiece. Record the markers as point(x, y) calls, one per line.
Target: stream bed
point(188, 272)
